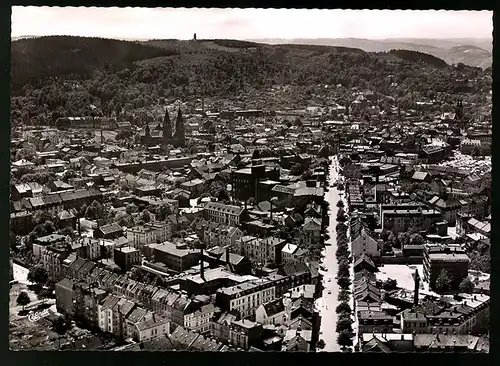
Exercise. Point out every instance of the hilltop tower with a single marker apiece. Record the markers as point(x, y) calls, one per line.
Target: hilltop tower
point(167, 131)
point(180, 132)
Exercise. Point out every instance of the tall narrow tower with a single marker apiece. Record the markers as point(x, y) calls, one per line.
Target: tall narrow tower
point(167, 131)
point(180, 133)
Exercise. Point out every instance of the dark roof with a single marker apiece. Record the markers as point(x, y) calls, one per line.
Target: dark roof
point(365, 259)
point(274, 307)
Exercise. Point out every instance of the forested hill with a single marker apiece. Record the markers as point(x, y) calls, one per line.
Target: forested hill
point(61, 56)
point(415, 56)
point(78, 76)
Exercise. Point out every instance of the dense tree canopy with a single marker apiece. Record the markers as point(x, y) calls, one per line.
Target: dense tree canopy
point(91, 76)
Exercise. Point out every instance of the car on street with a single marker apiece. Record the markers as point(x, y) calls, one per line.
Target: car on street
point(329, 292)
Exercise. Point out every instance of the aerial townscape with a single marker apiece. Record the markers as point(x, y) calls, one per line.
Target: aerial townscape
point(223, 195)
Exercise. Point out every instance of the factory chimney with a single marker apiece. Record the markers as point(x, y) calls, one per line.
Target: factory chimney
point(228, 261)
point(416, 277)
point(202, 265)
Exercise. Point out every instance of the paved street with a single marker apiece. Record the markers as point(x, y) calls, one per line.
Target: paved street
point(328, 302)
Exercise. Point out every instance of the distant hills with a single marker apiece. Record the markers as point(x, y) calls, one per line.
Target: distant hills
point(78, 76)
point(470, 51)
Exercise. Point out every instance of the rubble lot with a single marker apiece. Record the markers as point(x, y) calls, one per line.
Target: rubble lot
point(27, 335)
point(40, 336)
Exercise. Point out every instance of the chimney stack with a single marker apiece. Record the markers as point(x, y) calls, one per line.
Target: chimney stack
point(202, 265)
point(417, 287)
point(228, 262)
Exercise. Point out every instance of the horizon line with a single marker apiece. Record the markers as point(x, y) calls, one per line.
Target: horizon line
point(245, 39)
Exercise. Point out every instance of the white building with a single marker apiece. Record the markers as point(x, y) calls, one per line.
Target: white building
point(199, 320)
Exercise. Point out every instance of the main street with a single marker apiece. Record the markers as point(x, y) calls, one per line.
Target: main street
point(328, 302)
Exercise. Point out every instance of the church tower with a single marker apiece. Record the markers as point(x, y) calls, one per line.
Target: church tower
point(459, 110)
point(180, 133)
point(167, 131)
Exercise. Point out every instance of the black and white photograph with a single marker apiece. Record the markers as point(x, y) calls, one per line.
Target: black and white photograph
point(250, 180)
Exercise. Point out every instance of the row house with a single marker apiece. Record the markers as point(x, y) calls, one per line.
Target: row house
point(226, 214)
point(200, 320)
point(112, 314)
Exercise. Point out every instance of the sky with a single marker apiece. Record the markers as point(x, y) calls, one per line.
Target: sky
point(182, 23)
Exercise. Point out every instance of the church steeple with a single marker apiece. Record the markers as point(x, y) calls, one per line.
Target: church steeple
point(167, 131)
point(180, 133)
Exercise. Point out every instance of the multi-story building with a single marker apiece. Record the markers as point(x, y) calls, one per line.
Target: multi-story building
point(220, 326)
point(374, 321)
point(44, 241)
point(246, 297)
point(127, 257)
point(199, 320)
point(262, 250)
point(52, 257)
point(244, 333)
point(222, 235)
point(401, 220)
point(151, 328)
point(90, 248)
point(452, 259)
point(226, 214)
point(149, 233)
point(365, 244)
point(449, 208)
point(245, 182)
point(311, 231)
point(177, 257)
point(469, 314)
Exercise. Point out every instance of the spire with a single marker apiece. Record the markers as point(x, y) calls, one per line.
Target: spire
point(167, 127)
point(167, 131)
point(179, 136)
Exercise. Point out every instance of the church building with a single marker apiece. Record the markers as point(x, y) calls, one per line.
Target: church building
point(154, 134)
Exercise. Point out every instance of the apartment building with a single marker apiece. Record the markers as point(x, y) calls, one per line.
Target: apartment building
point(149, 233)
point(226, 214)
